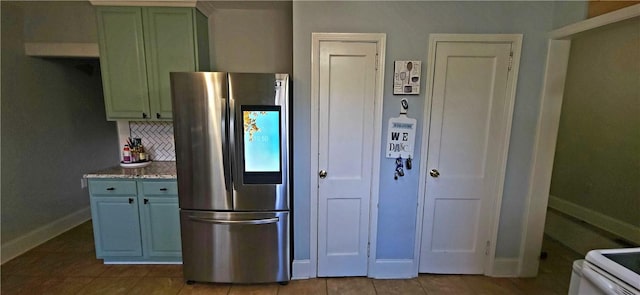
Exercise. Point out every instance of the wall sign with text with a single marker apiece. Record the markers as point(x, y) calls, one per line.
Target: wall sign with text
point(401, 136)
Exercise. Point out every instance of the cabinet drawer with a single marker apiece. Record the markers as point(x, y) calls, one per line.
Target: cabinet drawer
point(112, 187)
point(160, 188)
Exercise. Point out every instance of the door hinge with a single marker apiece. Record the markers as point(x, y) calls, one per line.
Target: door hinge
point(486, 249)
point(510, 60)
point(376, 61)
point(368, 249)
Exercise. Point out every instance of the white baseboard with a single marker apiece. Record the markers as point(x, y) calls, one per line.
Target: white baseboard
point(393, 269)
point(142, 262)
point(505, 267)
point(577, 236)
point(42, 234)
point(301, 269)
point(597, 219)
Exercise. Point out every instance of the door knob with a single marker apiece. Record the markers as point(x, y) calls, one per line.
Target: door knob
point(434, 173)
point(322, 174)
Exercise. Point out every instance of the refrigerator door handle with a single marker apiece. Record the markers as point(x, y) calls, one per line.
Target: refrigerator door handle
point(232, 139)
point(226, 149)
point(249, 221)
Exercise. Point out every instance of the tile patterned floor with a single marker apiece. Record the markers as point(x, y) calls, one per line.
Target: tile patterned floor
point(67, 265)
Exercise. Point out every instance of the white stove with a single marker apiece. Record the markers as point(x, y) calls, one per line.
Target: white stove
point(610, 271)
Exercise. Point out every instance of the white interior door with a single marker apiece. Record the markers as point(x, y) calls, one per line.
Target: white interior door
point(469, 122)
point(347, 83)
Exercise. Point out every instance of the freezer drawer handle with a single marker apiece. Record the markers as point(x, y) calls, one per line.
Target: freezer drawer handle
point(250, 221)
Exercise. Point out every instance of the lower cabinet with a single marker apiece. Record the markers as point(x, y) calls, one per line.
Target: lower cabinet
point(116, 226)
point(136, 220)
point(160, 220)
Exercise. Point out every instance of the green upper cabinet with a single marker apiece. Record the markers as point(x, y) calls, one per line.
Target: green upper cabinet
point(169, 42)
point(139, 46)
point(122, 60)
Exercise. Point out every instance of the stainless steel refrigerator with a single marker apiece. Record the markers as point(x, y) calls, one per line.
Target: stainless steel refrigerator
point(232, 156)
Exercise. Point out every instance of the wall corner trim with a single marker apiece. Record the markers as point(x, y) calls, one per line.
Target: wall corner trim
point(32, 239)
point(608, 18)
point(301, 269)
point(542, 156)
point(393, 269)
point(505, 267)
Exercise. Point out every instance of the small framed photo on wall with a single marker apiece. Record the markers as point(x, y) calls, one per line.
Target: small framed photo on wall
point(406, 77)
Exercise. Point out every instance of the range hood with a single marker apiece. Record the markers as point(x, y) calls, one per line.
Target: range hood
point(62, 49)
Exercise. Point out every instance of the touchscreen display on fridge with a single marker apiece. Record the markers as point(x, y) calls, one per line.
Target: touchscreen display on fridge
point(262, 144)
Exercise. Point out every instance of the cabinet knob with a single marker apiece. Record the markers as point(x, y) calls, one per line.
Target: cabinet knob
point(157, 115)
point(164, 189)
point(130, 200)
point(144, 115)
point(146, 201)
point(111, 188)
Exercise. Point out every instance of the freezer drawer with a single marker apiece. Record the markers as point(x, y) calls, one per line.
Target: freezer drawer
point(235, 247)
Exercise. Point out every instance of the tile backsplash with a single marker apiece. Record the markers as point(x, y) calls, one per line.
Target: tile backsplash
point(157, 138)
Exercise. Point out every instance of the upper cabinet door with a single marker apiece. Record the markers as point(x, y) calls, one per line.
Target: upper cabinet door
point(170, 47)
point(122, 58)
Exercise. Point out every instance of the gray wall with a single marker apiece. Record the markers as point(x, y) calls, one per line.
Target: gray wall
point(408, 25)
point(251, 37)
point(53, 129)
point(60, 21)
point(597, 161)
point(568, 12)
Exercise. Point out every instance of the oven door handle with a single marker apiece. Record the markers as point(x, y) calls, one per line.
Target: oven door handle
point(249, 221)
point(599, 281)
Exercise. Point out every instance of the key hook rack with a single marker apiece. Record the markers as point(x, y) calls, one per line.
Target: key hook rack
point(400, 140)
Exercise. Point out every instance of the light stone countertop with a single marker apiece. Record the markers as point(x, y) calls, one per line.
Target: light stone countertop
point(157, 170)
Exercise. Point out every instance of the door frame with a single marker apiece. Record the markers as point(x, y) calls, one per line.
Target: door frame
point(544, 148)
point(380, 40)
point(516, 41)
